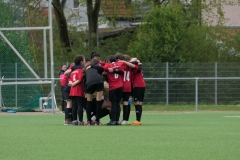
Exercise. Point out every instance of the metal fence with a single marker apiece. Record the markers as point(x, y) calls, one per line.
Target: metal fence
point(167, 83)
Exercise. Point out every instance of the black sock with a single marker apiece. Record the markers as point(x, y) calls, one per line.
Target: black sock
point(88, 110)
point(114, 111)
point(128, 114)
point(70, 114)
point(138, 109)
point(66, 113)
point(80, 113)
point(74, 113)
point(85, 103)
point(98, 110)
point(110, 116)
point(63, 105)
point(104, 112)
point(118, 112)
point(125, 112)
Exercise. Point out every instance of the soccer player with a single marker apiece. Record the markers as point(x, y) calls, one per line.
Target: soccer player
point(106, 104)
point(68, 109)
point(138, 91)
point(61, 76)
point(96, 55)
point(127, 88)
point(77, 92)
point(114, 74)
point(126, 84)
point(94, 83)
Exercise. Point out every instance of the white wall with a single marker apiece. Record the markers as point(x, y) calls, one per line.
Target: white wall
point(231, 14)
point(80, 17)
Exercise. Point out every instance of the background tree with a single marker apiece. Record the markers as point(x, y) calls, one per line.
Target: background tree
point(159, 36)
point(93, 8)
point(180, 37)
point(186, 35)
point(62, 25)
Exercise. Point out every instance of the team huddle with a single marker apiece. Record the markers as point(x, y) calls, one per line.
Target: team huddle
point(100, 88)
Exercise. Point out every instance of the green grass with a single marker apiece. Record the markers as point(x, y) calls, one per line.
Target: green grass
point(174, 107)
point(175, 136)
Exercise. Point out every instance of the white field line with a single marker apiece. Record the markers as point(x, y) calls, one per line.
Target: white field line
point(232, 116)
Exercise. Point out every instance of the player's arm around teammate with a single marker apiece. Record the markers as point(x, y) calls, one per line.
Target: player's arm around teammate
point(139, 86)
point(77, 92)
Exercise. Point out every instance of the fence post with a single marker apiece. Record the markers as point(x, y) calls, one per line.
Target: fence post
point(51, 52)
point(0, 90)
point(216, 83)
point(196, 94)
point(45, 52)
point(166, 83)
point(16, 88)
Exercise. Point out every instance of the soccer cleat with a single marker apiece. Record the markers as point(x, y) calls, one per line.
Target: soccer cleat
point(98, 123)
point(136, 123)
point(127, 123)
point(88, 123)
point(75, 123)
point(112, 123)
point(80, 123)
point(123, 122)
point(67, 122)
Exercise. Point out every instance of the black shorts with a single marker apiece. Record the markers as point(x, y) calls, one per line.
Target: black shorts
point(138, 94)
point(95, 88)
point(116, 94)
point(65, 94)
point(126, 96)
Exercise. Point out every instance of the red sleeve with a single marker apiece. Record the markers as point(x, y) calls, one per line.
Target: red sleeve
point(123, 66)
point(102, 63)
point(134, 70)
point(79, 75)
point(105, 67)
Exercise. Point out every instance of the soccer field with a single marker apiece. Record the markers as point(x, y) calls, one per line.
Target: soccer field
point(173, 135)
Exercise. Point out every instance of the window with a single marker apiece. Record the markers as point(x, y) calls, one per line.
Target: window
point(75, 3)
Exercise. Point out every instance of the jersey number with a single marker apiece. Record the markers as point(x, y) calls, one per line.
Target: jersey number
point(126, 76)
point(74, 78)
point(116, 76)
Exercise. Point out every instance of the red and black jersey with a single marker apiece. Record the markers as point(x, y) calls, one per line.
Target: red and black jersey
point(137, 80)
point(77, 74)
point(127, 79)
point(115, 80)
point(65, 78)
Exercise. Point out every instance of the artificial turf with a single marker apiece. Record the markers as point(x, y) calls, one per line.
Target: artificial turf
point(180, 135)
